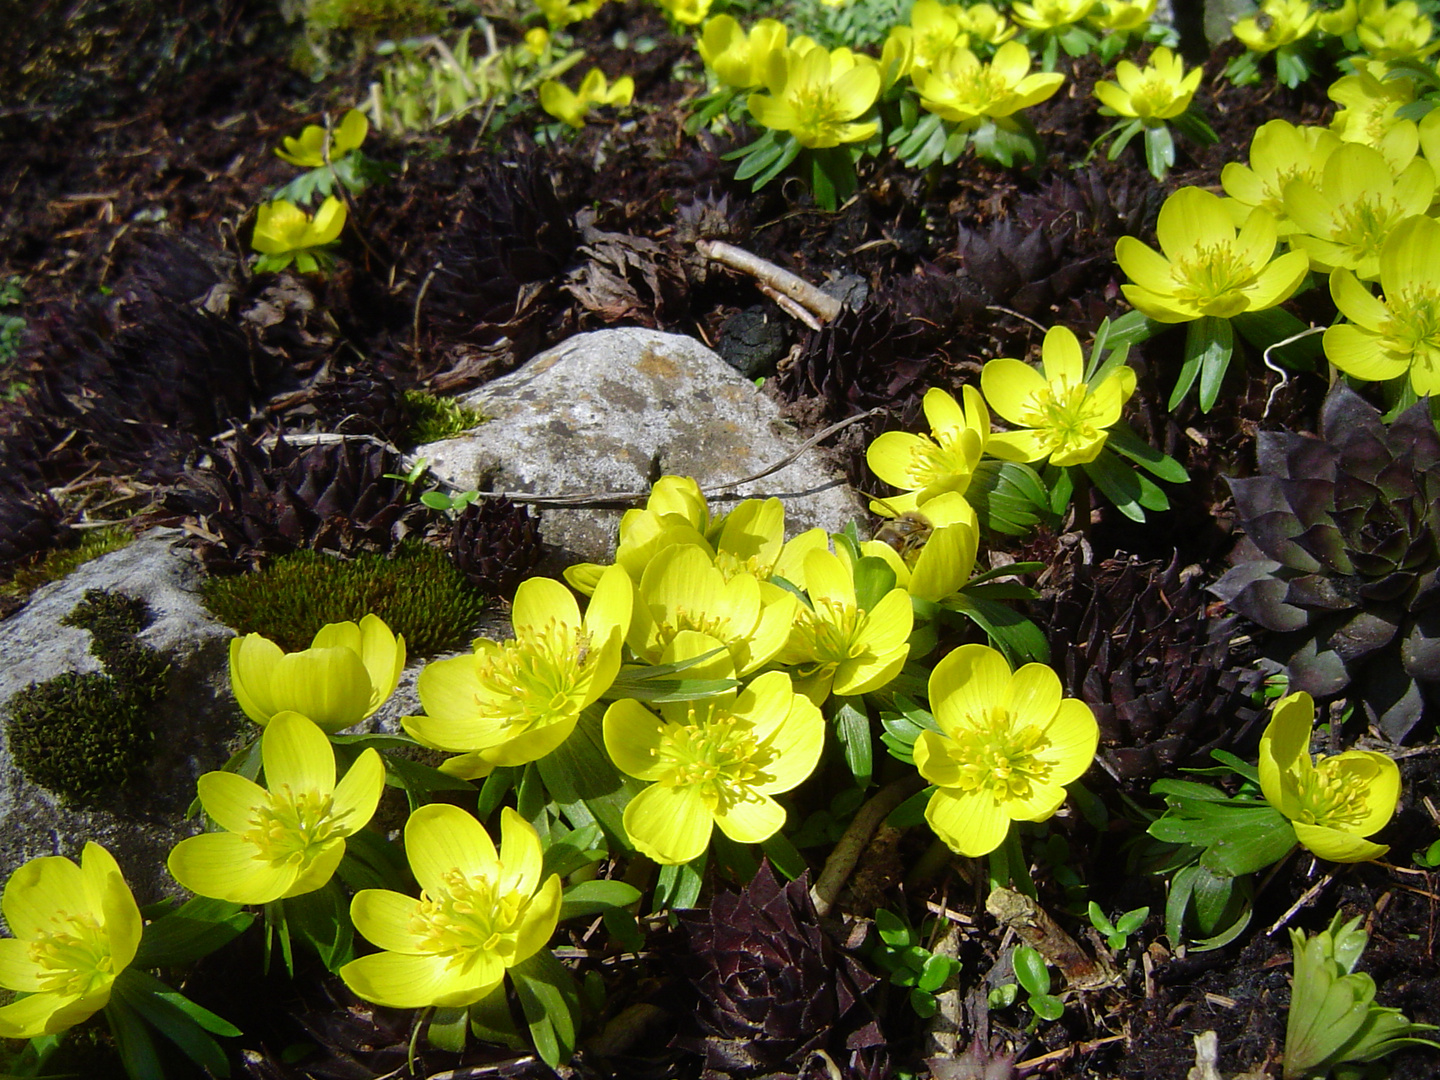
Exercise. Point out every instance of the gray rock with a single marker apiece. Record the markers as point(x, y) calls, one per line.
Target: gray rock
point(613, 411)
point(196, 725)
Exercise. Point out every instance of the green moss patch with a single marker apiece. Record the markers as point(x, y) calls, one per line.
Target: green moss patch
point(434, 418)
point(84, 735)
point(61, 563)
point(418, 592)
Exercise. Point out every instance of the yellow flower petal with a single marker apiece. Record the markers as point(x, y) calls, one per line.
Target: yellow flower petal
point(440, 838)
point(750, 820)
point(223, 866)
point(329, 686)
point(253, 660)
point(969, 822)
point(358, 792)
point(670, 825)
point(230, 800)
point(404, 981)
point(297, 755)
point(384, 919)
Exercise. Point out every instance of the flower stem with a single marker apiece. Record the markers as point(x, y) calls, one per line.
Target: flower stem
point(841, 863)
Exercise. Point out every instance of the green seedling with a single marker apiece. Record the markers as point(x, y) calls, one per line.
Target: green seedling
point(909, 964)
point(1034, 977)
point(1334, 1023)
point(1117, 934)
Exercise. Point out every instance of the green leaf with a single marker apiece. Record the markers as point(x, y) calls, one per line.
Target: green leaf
point(911, 812)
point(784, 856)
point(1159, 150)
point(493, 791)
point(420, 782)
point(567, 853)
point(1123, 440)
point(936, 972)
point(923, 1003)
point(788, 153)
point(1132, 328)
point(550, 1001)
point(1119, 484)
point(194, 930)
point(593, 897)
point(176, 1017)
point(373, 862)
point(1047, 1006)
point(1209, 344)
point(1031, 970)
point(852, 728)
point(136, 1047)
point(579, 773)
point(1013, 569)
point(448, 1028)
point(874, 579)
point(678, 887)
point(1125, 132)
point(1014, 635)
point(893, 930)
point(321, 919)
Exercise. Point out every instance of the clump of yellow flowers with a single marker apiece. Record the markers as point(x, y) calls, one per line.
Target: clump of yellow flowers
point(571, 107)
point(1149, 100)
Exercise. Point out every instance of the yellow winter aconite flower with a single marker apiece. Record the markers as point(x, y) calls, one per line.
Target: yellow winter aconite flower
point(346, 674)
point(934, 28)
point(1008, 744)
point(838, 647)
point(1119, 16)
point(1344, 220)
point(1277, 23)
point(1159, 91)
point(961, 88)
point(561, 13)
point(738, 59)
point(1386, 337)
point(284, 233)
point(1333, 802)
point(938, 556)
point(712, 762)
point(308, 151)
point(925, 466)
point(1400, 32)
point(1050, 14)
point(514, 702)
point(286, 840)
point(1206, 268)
point(1369, 103)
point(76, 928)
point(817, 96)
point(983, 24)
point(1060, 416)
point(480, 912)
point(572, 108)
point(682, 590)
point(686, 12)
point(1279, 153)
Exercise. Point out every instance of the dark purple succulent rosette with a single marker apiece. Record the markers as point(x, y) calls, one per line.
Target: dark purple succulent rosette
point(1341, 555)
point(774, 990)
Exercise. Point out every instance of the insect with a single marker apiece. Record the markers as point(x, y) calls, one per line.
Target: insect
point(906, 532)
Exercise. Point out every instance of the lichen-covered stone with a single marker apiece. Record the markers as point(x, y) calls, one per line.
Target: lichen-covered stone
point(614, 410)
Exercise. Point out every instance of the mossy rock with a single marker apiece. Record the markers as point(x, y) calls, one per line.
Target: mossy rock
point(418, 592)
point(83, 735)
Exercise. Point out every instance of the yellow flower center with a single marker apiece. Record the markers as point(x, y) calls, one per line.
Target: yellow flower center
point(1413, 327)
point(1210, 273)
point(710, 623)
point(934, 462)
point(995, 755)
point(831, 634)
point(536, 680)
point(717, 753)
point(74, 959)
point(1362, 226)
point(1154, 95)
point(820, 113)
point(1063, 414)
point(470, 915)
point(294, 826)
point(731, 565)
point(977, 88)
point(1332, 797)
